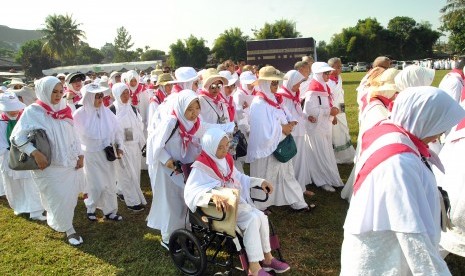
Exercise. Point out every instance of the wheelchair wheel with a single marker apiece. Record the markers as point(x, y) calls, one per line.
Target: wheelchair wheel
point(187, 252)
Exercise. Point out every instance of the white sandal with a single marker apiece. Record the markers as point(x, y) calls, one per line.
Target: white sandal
point(75, 239)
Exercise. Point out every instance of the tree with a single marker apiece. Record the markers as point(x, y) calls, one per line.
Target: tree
point(152, 55)
point(122, 45)
point(192, 52)
point(33, 59)
point(61, 36)
point(108, 50)
point(453, 21)
point(230, 45)
point(88, 55)
point(279, 29)
point(402, 27)
point(322, 51)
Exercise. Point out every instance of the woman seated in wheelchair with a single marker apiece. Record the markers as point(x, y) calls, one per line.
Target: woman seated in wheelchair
point(213, 169)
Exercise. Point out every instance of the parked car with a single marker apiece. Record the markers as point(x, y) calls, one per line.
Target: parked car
point(346, 68)
point(361, 67)
point(351, 65)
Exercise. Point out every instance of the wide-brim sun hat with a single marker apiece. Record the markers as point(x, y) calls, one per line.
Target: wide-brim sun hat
point(321, 67)
point(10, 102)
point(94, 88)
point(164, 79)
point(231, 79)
point(210, 76)
point(386, 87)
point(269, 73)
point(73, 76)
point(16, 81)
point(185, 74)
point(247, 77)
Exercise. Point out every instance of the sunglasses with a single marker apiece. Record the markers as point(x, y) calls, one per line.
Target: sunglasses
point(215, 86)
point(274, 83)
point(98, 96)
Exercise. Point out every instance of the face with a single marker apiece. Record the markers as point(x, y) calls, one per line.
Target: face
point(274, 86)
point(195, 85)
point(133, 82)
point(193, 111)
point(57, 94)
point(12, 114)
point(223, 148)
point(62, 79)
point(215, 88)
point(296, 87)
point(250, 87)
point(77, 85)
point(305, 71)
point(98, 100)
point(228, 90)
point(326, 76)
point(337, 69)
point(168, 88)
point(117, 78)
point(125, 96)
point(430, 139)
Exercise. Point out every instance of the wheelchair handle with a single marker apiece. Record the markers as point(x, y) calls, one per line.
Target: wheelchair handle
point(266, 194)
point(210, 217)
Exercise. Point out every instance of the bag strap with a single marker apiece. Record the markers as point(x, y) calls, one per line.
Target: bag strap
point(113, 109)
point(217, 115)
point(172, 132)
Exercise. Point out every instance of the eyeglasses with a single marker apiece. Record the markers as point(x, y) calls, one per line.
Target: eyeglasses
point(274, 83)
point(98, 96)
point(215, 86)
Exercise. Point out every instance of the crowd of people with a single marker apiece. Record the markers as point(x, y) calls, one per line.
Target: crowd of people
point(195, 130)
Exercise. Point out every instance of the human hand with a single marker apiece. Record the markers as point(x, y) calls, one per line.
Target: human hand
point(220, 202)
point(80, 162)
point(287, 129)
point(40, 159)
point(311, 119)
point(119, 153)
point(170, 164)
point(267, 187)
point(334, 121)
point(334, 111)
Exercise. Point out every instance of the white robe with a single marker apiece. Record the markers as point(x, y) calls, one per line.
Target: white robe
point(213, 113)
point(320, 152)
point(452, 84)
point(343, 149)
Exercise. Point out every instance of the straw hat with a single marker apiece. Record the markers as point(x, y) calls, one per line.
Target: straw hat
point(73, 76)
point(16, 81)
point(270, 73)
point(211, 75)
point(157, 72)
point(321, 67)
point(185, 74)
point(227, 74)
point(164, 79)
point(10, 102)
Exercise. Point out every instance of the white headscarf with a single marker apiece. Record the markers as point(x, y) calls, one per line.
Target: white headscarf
point(122, 109)
point(264, 86)
point(132, 75)
point(44, 89)
point(180, 106)
point(319, 78)
point(414, 75)
point(292, 78)
point(210, 142)
point(95, 123)
point(426, 111)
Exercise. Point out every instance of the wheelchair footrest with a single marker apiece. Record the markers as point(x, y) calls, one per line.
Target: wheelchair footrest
point(274, 242)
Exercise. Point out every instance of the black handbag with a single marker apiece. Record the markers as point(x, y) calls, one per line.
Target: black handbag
point(241, 148)
point(286, 149)
point(110, 153)
point(20, 161)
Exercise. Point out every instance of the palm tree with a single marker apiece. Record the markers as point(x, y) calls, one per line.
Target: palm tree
point(61, 36)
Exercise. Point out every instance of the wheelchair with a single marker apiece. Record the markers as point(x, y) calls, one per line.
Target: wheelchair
point(188, 248)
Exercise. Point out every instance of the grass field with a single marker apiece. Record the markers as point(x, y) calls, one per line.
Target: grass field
point(311, 242)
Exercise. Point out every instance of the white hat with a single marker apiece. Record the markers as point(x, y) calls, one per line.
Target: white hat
point(321, 67)
point(247, 77)
point(3, 88)
point(114, 73)
point(153, 78)
point(185, 74)
point(10, 102)
point(73, 76)
point(231, 80)
point(61, 75)
point(94, 88)
point(16, 81)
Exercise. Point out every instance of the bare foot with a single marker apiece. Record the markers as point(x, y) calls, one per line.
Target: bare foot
point(309, 193)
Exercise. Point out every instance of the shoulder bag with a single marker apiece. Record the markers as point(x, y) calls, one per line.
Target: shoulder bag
point(286, 149)
point(20, 161)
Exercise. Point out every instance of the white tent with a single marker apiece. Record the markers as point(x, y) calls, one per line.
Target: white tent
point(109, 67)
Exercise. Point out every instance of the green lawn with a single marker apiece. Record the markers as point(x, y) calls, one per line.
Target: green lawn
point(311, 242)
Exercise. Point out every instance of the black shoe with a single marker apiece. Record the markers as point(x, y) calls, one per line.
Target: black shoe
point(120, 197)
point(136, 208)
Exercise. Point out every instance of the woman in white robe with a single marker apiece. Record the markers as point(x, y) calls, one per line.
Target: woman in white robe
point(319, 110)
point(269, 125)
point(128, 168)
point(343, 149)
point(98, 128)
point(213, 169)
point(58, 183)
point(20, 189)
point(289, 93)
point(163, 91)
point(393, 222)
point(175, 139)
point(452, 180)
point(213, 107)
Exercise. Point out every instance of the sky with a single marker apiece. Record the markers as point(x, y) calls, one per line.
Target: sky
point(158, 24)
